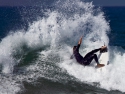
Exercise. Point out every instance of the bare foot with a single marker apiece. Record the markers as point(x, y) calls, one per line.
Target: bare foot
point(100, 65)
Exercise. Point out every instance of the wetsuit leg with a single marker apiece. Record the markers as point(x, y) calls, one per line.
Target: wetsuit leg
point(89, 59)
point(90, 56)
point(96, 58)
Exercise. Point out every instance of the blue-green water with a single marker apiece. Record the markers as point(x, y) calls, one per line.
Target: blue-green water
point(36, 43)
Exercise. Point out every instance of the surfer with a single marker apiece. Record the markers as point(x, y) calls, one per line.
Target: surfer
point(86, 60)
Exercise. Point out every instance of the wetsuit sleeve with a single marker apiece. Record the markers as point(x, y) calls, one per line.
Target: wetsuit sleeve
point(77, 49)
point(94, 51)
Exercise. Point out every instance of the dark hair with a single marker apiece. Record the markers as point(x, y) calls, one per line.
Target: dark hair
point(74, 47)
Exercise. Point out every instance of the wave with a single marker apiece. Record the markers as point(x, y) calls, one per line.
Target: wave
point(43, 50)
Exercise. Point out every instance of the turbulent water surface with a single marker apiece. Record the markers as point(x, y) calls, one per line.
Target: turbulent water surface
point(36, 45)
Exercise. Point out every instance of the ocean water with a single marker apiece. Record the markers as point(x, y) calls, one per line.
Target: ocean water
point(36, 45)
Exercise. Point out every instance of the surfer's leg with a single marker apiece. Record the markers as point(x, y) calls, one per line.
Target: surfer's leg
point(94, 56)
point(96, 59)
point(88, 59)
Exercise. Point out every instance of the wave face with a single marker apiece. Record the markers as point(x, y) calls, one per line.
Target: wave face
point(44, 49)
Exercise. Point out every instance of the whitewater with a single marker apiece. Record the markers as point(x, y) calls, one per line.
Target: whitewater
point(51, 38)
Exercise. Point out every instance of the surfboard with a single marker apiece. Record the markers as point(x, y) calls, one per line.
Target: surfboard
point(103, 58)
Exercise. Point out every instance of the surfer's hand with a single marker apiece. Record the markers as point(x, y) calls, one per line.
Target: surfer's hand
point(103, 47)
point(80, 40)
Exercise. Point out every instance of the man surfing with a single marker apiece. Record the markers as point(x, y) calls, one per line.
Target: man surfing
point(87, 59)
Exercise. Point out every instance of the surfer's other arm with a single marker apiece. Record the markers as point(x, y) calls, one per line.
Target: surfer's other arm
point(99, 49)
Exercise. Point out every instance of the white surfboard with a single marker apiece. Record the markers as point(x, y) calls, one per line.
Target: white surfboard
point(103, 58)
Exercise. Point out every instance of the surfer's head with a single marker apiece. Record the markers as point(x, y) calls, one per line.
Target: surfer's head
point(74, 48)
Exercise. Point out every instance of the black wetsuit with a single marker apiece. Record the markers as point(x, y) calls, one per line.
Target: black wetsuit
point(88, 57)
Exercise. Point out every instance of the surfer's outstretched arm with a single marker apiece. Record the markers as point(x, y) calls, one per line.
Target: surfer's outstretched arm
point(80, 41)
point(76, 48)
